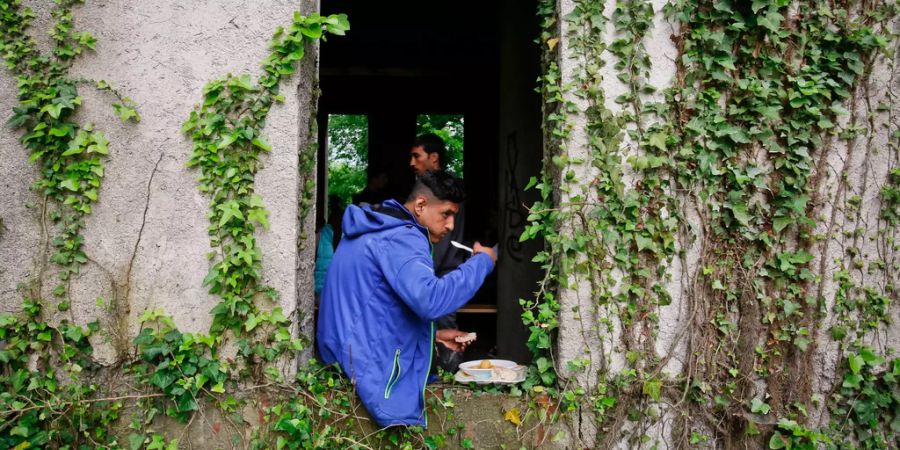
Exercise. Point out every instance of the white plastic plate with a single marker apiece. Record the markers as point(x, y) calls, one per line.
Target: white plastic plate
point(462, 377)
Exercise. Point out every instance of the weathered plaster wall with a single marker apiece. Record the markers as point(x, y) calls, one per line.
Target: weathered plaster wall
point(858, 169)
point(20, 224)
point(862, 166)
point(146, 238)
point(583, 331)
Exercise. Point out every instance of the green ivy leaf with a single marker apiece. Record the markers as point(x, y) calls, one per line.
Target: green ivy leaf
point(227, 140)
point(187, 403)
point(758, 406)
point(838, 332)
point(312, 30)
point(790, 307)
point(779, 223)
point(771, 21)
point(126, 113)
point(337, 24)
point(54, 110)
point(740, 213)
point(852, 380)
point(163, 378)
point(135, 441)
point(262, 144)
point(870, 358)
point(230, 210)
point(758, 5)
point(658, 140)
point(644, 243)
point(260, 216)
point(777, 441)
point(855, 362)
point(70, 184)
point(653, 388)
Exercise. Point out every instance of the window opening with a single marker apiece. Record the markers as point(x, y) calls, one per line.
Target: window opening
point(435, 67)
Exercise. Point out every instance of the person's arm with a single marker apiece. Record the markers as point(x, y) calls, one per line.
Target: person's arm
point(410, 272)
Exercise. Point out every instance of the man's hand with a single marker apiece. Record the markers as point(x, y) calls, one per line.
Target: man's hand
point(478, 248)
point(446, 336)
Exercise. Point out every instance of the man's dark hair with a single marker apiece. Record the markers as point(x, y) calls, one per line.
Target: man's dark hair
point(441, 185)
point(433, 143)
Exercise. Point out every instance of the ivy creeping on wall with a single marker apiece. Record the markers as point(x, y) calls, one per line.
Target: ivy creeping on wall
point(764, 87)
point(732, 161)
point(69, 154)
point(44, 402)
point(226, 130)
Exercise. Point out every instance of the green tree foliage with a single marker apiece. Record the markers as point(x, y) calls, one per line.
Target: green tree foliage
point(348, 138)
point(348, 154)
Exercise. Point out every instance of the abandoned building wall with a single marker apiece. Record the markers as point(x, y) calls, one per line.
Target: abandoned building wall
point(852, 244)
point(146, 240)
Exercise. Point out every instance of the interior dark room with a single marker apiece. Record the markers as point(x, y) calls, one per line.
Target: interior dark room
point(402, 59)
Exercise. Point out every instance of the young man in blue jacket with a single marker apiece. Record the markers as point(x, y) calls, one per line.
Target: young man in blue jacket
point(381, 297)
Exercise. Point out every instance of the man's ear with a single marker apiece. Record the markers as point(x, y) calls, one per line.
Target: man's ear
point(421, 201)
point(435, 160)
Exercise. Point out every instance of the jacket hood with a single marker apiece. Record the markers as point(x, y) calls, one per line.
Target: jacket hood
point(360, 220)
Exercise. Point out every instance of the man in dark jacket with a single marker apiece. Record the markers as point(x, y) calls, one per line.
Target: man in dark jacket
point(429, 154)
point(381, 297)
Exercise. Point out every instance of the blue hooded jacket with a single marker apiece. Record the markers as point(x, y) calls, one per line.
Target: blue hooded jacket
point(379, 300)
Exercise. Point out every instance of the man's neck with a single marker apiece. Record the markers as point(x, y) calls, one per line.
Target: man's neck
point(410, 206)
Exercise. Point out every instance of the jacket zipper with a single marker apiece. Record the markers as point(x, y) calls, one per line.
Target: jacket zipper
point(395, 367)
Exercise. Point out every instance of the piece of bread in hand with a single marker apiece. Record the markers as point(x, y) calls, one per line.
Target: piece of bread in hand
point(466, 338)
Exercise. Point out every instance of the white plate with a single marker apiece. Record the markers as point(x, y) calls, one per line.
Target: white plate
point(461, 377)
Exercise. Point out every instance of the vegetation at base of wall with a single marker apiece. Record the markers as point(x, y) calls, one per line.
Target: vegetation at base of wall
point(763, 92)
point(43, 400)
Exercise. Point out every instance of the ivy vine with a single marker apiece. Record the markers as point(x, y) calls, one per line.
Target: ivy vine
point(44, 401)
point(226, 131)
point(763, 91)
point(759, 93)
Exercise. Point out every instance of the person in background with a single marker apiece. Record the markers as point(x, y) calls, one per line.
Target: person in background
point(429, 154)
point(382, 295)
point(375, 191)
point(328, 239)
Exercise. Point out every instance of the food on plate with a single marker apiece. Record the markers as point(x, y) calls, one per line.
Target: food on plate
point(466, 338)
point(504, 374)
point(485, 364)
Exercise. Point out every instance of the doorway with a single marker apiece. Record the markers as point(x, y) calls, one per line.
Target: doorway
point(468, 66)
